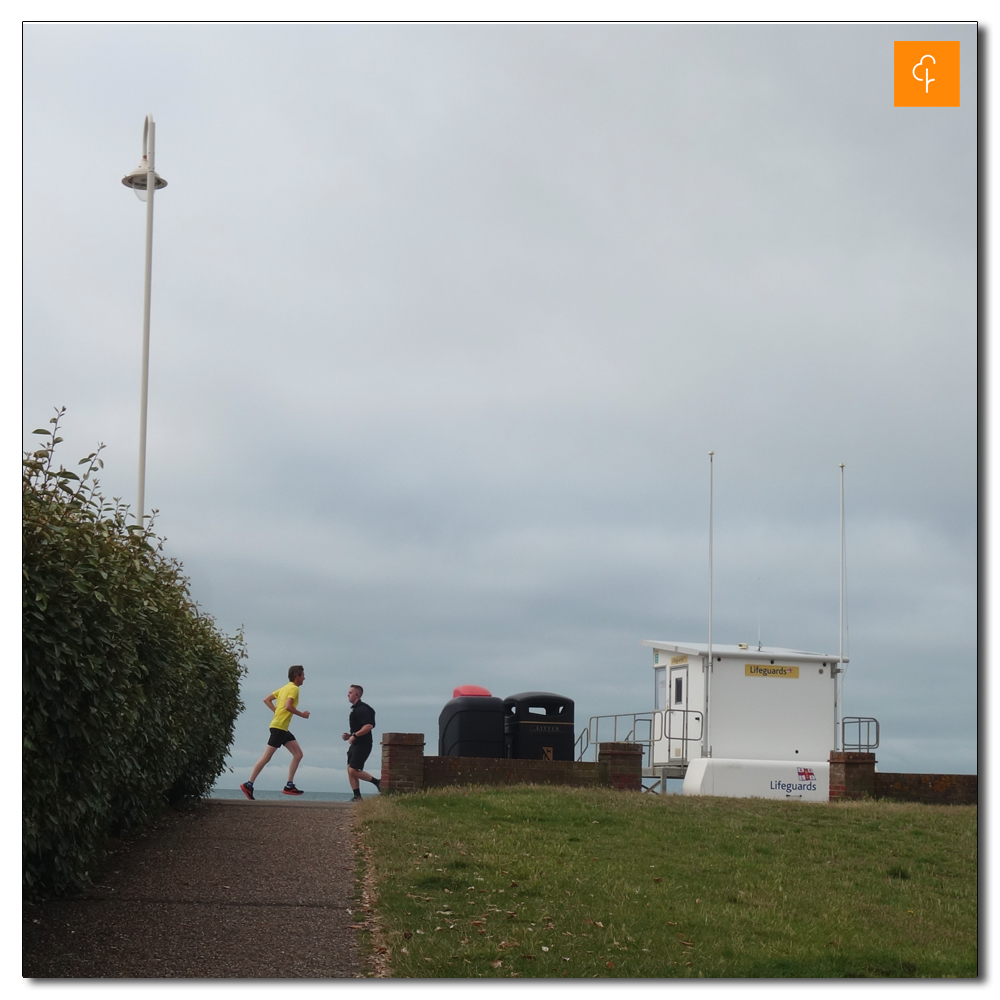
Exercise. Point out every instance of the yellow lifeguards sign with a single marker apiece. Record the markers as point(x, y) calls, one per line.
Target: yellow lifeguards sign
point(770, 670)
point(674, 660)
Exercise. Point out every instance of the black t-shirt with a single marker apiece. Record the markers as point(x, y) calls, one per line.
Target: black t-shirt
point(361, 715)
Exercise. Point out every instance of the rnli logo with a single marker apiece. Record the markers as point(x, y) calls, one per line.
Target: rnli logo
point(806, 774)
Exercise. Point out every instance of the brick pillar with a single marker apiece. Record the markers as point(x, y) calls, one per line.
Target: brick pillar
point(402, 762)
point(852, 775)
point(624, 762)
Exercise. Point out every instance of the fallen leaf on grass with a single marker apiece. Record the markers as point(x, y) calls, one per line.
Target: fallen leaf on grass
point(357, 927)
point(688, 944)
point(597, 923)
point(610, 965)
point(565, 959)
point(478, 923)
point(496, 963)
point(407, 934)
point(528, 956)
point(513, 885)
point(511, 914)
point(508, 944)
point(672, 923)
point(657, 879)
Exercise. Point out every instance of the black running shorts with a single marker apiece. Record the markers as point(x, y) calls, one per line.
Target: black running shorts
point(357, 754)
point(279, 737)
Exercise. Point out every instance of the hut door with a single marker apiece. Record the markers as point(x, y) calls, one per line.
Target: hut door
point(677, 703)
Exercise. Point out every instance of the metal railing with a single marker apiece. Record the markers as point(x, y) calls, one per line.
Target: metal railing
point(682, 727)
point(861, 728)
point(628, 727)
point(647, 729)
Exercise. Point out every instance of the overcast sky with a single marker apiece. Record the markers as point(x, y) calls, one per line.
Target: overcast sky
point(446, 319)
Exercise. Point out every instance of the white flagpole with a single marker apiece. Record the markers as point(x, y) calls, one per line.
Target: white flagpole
point(708, 673)
point(838, 680)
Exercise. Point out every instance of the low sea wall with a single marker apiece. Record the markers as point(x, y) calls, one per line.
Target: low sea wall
point(853, 776)
point(406, 769)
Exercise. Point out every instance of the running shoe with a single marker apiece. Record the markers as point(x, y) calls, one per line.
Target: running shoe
point(291, 790)
point(377, 782)
point(247, 789)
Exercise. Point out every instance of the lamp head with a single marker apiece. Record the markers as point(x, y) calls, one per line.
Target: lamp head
point(138, 179)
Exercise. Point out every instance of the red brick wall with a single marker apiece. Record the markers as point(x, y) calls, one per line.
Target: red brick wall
point(406, 769)
point(853, 776)
point(624, 761)
point(441, 771)
point(934, 789)
point(402, 762)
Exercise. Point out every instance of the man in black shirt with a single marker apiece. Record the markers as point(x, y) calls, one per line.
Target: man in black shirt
point(361, 724)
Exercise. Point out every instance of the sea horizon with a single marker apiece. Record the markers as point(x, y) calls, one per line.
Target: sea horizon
point(270, 793)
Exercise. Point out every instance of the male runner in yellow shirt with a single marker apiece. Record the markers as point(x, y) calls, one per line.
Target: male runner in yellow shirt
point(283, 703)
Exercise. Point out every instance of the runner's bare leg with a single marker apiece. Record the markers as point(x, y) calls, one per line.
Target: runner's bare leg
point(296, 750)
point(259, 766)
point(353, 774)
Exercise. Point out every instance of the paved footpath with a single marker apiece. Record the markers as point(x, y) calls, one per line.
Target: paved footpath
point(230, 889)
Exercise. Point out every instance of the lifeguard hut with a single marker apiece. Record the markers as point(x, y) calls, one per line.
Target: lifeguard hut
point(739, 720)
point(744, 721)
point(765, 702)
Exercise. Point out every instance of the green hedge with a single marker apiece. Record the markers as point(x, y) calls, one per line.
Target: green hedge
point(130, 693)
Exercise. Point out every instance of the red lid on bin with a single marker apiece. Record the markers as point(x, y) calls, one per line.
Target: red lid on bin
point(470, 690)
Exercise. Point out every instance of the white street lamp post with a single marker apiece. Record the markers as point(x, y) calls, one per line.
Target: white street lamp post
point(139, 181)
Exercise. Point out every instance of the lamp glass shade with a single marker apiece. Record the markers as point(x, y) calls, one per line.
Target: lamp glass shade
point(138, 180)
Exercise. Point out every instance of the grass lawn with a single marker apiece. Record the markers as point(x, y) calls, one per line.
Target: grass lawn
point(558, 882)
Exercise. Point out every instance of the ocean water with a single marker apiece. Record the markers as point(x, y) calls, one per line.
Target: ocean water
point(266, 793)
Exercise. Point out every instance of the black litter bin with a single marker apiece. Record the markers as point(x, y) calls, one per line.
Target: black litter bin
point(471, 726)
point(538, 725)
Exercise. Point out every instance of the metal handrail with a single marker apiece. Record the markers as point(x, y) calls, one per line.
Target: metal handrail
point(859, 745)
point(645, 728)
point(687, 734)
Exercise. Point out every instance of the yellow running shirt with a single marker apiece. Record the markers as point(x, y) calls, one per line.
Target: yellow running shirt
point(282, 717)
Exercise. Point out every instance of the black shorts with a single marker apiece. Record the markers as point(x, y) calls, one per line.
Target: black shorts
point(279, 737)
point(357, 754)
